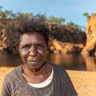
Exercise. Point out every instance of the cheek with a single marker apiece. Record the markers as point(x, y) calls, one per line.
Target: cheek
point(23, 54)
point(43, 52)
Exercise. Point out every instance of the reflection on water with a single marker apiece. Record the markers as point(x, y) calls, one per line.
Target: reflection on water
point(91, 63)
point(68, 61)
point(10, 60)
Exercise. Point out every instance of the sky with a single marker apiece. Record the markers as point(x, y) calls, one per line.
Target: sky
point(70, 10)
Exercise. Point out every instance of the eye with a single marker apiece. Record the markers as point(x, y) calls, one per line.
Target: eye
point(39, 46)
point(26, 47)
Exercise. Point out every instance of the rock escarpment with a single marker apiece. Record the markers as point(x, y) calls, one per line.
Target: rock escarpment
point(91, 35)
point(66, 39)
point(63, 39)
point(3, 39)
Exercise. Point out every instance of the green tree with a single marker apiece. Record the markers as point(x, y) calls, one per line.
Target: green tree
point(71, 24)
point(0, 8)
point(13, 16)
point(86, 14)
point(3, 15)
point(40, 16)
point(76, 26)
point(6, 14)
point(56, 20)
point(61, 20)
point(26, 15)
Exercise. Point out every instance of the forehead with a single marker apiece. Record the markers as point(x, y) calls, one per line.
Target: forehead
point(32, 37)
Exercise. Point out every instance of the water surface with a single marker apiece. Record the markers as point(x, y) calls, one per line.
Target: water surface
point(67, 61)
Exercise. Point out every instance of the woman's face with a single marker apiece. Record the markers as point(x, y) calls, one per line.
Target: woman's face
point(33, 50)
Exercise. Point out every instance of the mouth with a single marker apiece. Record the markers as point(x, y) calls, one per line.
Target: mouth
point(33, 62)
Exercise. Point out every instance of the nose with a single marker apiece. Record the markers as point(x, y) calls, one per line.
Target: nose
point(33, 51)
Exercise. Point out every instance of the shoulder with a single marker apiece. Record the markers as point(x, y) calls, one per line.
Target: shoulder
point(15, 73)
point(58, 69)
point(10, 81)
point(59, 72)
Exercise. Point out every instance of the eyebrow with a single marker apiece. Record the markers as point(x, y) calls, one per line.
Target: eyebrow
point(30, 43)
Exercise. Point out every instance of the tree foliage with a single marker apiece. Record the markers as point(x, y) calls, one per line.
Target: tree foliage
point(71, 24)
point(25, 15)
point(86, 14)
point(56, 20)
point(9, 14)
point(6, 14)
point(1, 8)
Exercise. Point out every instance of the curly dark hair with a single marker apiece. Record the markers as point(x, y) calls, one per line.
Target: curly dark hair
point(22, 25)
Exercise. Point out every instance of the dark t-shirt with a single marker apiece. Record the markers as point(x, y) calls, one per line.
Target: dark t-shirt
point(15, 85)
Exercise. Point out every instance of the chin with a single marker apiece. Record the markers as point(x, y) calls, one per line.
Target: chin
point(35, 65)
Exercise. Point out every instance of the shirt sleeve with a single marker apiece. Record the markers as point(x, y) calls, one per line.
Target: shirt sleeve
point(70, 90)
point(6, 89)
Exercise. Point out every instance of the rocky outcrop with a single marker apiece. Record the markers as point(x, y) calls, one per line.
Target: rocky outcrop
point(61, 47)
point(3, 46)
point(68, 34)
point(3, 39)
point(66, 39)
point(91, 35)
point(63, 39)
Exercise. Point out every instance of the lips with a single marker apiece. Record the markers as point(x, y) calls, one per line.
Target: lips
point(33, 63)
point(34, 59)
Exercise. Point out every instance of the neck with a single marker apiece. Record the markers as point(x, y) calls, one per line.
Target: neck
point(26, 70)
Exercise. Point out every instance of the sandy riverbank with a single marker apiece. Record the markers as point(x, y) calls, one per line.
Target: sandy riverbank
point(84, 82)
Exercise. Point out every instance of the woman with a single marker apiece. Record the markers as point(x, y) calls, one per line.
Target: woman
point(35, 77)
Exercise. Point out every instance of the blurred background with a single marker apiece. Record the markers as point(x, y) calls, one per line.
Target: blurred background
point(72, 42)
point(71, 25)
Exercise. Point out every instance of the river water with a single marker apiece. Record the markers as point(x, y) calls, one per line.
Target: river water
point(67, 61)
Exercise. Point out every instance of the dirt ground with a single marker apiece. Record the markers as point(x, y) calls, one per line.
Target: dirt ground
point(83, 81)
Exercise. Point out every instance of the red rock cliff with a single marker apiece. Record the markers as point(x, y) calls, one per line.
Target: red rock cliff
point(64, 39)
point(91, 35)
